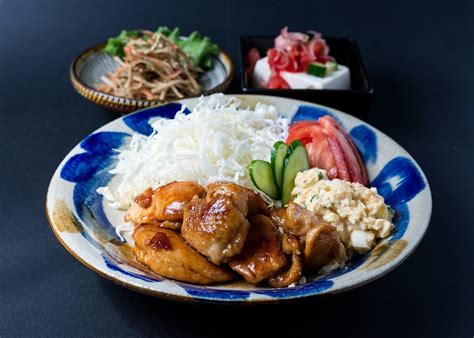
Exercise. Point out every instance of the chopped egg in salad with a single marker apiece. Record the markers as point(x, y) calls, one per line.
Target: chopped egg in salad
point(357, 212)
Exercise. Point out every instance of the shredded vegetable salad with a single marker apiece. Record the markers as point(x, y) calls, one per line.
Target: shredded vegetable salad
point(215, 142)
point(157, 65)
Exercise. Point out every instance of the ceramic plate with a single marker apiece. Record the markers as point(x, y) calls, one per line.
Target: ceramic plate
point(88, 68)
point(84, 223)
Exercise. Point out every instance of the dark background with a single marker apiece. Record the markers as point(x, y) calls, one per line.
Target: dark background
point(419, 58)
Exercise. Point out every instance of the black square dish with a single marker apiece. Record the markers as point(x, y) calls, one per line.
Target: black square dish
point(355, 101)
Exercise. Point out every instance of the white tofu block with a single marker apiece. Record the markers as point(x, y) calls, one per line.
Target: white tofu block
point(340, 79)
point(261, 73)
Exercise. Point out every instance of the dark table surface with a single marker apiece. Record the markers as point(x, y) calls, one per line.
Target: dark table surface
point(419, 58)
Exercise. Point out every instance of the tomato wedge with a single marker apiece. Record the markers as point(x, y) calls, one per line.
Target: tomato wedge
point(329, 147)
point(277, 82)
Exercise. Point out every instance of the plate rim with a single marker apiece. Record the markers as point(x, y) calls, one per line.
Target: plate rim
point(202, 298)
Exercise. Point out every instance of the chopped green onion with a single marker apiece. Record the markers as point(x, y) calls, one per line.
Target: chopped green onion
point(391, 212)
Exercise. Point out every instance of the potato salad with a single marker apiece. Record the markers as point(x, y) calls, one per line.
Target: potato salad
point(357, 212)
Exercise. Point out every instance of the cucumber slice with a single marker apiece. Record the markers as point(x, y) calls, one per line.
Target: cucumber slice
point(316, 69)
point(278, 162)
point(291, 148)
point(331, 67)
point(295, 144)
point(262, 177)
point(297, 161)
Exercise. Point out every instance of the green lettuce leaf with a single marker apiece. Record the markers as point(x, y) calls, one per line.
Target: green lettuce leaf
point(115, 45)
point(199, 48)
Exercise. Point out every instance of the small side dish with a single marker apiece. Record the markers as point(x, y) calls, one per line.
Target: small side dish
point(159, 65)
point(226, 191)
point(297, 61)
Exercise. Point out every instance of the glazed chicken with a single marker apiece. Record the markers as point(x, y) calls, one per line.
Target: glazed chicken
point(321, 242)
point(293, 274)
point(229, 224)
point(215, 227)
point(278, 216)
point(262, 254)
point(164, 204)
point(323, 246)
point(299, 220)
point(169, 225)
point(166, 253)
point(247, 201)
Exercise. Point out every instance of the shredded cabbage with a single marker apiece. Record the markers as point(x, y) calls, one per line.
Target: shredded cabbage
point(215, 142)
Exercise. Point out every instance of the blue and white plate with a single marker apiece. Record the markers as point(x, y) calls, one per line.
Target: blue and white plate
point(84, 223)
